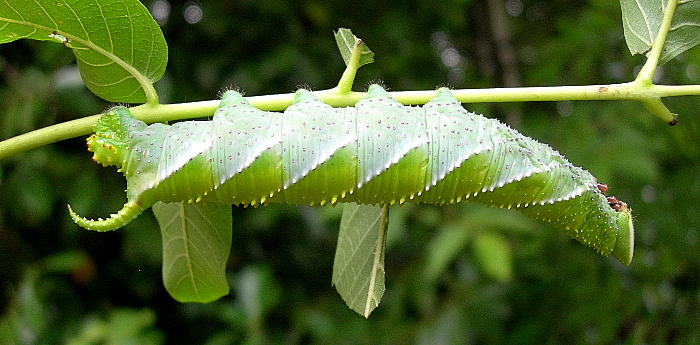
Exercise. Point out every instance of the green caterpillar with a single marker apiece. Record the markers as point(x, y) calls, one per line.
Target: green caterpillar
point(378, 152)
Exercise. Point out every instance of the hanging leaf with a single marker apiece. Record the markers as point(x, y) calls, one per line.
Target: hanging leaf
point(119, 47)
point(641, 20)
point(196, 246)
point(358, 268)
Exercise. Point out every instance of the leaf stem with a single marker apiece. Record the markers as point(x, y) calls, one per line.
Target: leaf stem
point(645, 77)
point(145, 83)
point(348, 77)
point(47, 135)
point(646, 74)
point(377, 263)
point(634, 91)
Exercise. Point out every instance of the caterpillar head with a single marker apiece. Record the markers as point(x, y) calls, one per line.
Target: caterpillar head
point(110, 143)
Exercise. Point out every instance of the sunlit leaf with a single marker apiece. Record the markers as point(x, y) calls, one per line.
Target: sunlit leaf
point(196, 246)
point(119, 47)
point(642, 19)
point(358, 268)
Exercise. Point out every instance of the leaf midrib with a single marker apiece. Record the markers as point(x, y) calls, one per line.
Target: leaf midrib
point(143, 80)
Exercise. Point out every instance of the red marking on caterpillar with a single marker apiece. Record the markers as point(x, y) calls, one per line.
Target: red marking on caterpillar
point(602, 187)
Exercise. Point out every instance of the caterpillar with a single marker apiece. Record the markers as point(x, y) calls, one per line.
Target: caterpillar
point(378, 152)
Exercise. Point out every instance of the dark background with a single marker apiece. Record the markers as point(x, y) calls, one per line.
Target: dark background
point(456, 274)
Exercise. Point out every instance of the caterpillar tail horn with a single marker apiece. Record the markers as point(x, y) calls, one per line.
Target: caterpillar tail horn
point(115, 221)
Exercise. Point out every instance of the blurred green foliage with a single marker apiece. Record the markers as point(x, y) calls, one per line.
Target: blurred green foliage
point(457, 274)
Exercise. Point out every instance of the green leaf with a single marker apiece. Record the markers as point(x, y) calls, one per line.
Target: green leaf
point(119, 47)
point(196, 246)
point(358, 268)
point(642, 19)
point(447, 243)
point(450, 240)
point(256, 290)
point(347, 42)
point(494, 255)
